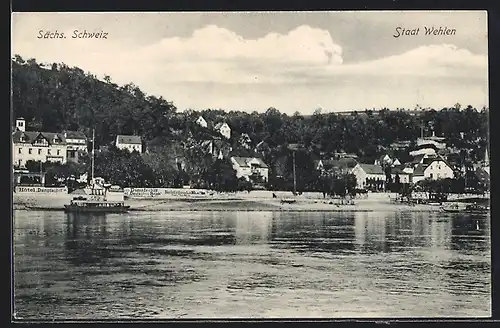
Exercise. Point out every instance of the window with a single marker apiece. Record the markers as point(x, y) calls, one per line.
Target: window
point(20, 150)
point(432, 176)
point(58, 152)
point(29, 150)
point(21, 124)
point(39, 151)
point(48, 151)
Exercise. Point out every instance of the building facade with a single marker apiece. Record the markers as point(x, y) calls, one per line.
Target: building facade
point(201, 121)
point(369, 175)
point(247, 166)
point(38, 146)
point(76, 143)
point(130, 143)
point(432, 169)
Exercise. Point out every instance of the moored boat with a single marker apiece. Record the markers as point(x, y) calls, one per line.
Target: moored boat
point(468, 209)
point(99, 196)
point(452, 208)
point(84, 205)
point(477, 209)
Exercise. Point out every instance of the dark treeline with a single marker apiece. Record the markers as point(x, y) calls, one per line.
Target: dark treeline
point(56, 97)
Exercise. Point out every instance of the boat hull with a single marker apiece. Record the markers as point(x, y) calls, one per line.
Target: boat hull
point(81, 209)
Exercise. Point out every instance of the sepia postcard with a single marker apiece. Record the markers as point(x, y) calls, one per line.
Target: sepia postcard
point(243, 165)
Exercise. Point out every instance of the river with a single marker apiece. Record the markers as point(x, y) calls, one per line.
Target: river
point(250, 265)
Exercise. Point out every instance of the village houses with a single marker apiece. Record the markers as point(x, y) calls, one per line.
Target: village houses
point(130, 143)
point(37, 146)
point(247, 166)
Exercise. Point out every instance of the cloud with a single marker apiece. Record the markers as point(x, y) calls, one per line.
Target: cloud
point(217, 56)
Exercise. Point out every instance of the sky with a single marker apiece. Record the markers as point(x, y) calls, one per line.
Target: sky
point(293, 61)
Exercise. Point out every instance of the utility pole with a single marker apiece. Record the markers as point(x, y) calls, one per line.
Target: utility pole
point(92, 168)
point(294, 176)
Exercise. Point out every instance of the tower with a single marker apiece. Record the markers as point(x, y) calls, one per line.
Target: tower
point(21, 124)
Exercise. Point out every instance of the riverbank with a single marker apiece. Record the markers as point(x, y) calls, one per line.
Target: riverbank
point(370, 204)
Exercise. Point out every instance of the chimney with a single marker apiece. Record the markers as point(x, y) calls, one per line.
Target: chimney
point(21, 124)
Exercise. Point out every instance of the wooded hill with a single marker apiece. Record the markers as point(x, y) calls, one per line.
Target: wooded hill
point(57, 97)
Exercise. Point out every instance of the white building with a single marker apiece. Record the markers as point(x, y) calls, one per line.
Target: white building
point(223, 129)
point(130, 143)
point(366, 172)
point(383, 160)
point(395, 162)
point(38, 146)
point(20, 124)
point(76, 143)
point(404, 177)
point(437, 142)
point(433, 169)
point(201, 121)
point(247, 166)
point(245, 140)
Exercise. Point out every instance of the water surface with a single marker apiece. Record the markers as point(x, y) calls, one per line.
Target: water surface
point(250, 265)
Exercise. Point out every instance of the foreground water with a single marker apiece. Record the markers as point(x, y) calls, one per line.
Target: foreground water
point(250, 265)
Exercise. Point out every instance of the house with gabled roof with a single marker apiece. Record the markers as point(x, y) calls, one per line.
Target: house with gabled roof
point(201, 122)
point(433, 168)
point(342, 165)
point(399, 172)
point(367, 174)
point(383, 160)
point(130, 143)
point(224, 129)
point(247, 166)
point(37, 146)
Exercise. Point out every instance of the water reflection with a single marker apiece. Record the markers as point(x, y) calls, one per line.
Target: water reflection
point(86, 239)
point(153, 264)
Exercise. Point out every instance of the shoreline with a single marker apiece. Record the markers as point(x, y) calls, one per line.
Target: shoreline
point(238, 204)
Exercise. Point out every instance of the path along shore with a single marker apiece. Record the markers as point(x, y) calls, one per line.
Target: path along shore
point(236, 202)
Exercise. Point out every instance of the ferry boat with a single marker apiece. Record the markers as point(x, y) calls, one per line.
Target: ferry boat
point(98, 197)
point(96, 200)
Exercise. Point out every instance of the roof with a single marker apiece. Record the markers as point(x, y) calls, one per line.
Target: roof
point(243, 161)
point(31, 136)
point(419, 170)
point(398, 170)
point(342, 163)
point(219, 125)
point(122, 139)
point(74, 135)
point(429, 160)
point(381, 158)
point(372, 169)
point(418, 158)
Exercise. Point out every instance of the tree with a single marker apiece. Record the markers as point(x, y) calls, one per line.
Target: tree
point(222, 176)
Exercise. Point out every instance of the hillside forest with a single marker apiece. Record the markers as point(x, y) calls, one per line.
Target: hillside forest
point(55, 97)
